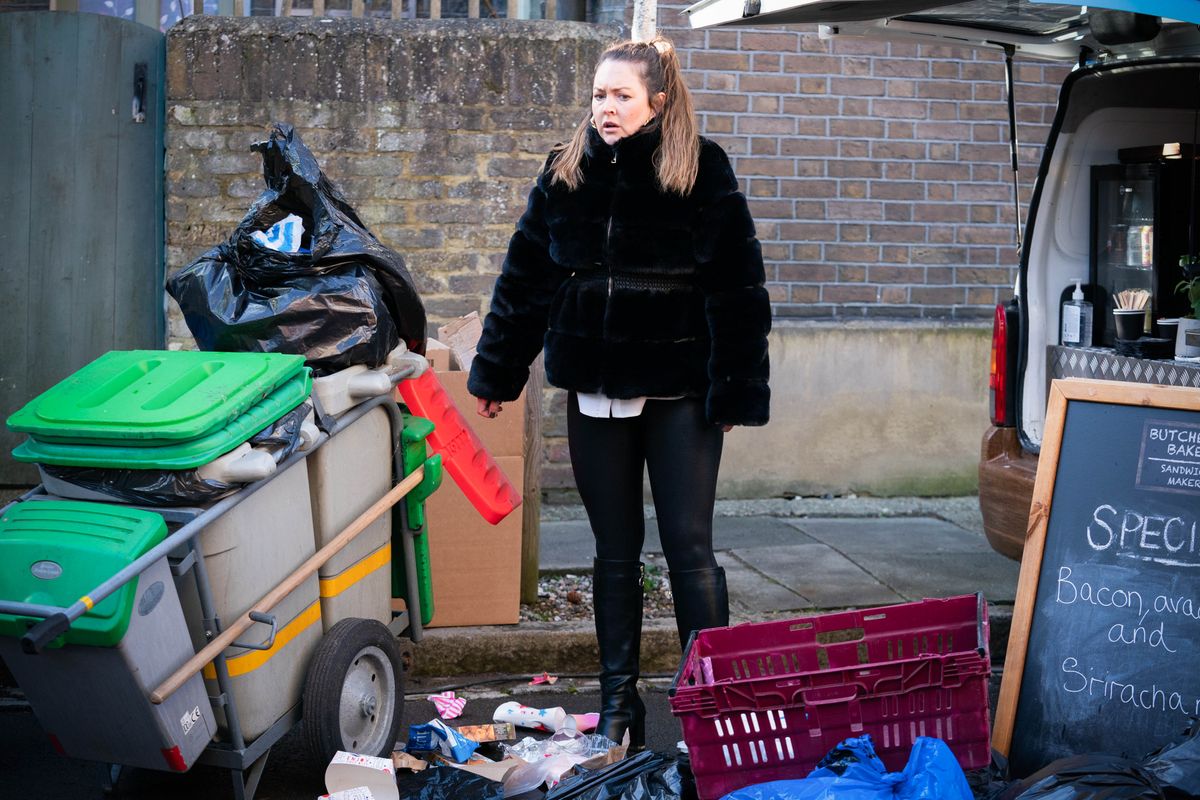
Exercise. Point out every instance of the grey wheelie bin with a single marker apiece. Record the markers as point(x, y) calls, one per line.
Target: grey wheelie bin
point(89, 688)
point(240, 574)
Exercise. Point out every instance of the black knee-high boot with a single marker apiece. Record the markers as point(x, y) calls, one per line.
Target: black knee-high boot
point(701, 600)
point(617, 595)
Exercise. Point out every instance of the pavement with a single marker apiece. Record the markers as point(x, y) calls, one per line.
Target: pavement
point(782, 558)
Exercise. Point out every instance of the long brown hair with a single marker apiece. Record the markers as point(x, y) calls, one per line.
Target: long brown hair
point(677, 159)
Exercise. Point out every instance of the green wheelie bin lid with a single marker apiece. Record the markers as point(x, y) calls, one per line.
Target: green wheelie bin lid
point(153, 397)
point(54, 552)
point(179, 455)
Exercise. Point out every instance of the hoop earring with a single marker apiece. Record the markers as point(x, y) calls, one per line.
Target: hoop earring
point(592, 122)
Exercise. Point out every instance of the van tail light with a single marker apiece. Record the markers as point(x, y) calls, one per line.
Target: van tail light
point(1002, 375)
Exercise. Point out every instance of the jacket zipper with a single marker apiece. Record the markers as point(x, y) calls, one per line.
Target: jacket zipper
point(608, 266)
point(608, 231)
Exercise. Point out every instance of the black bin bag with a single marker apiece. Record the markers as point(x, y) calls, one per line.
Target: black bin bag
point(1170, 773)
point(343, 299)
point(183, 487)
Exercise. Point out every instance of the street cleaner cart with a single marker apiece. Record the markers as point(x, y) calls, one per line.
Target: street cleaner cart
point(166, 635)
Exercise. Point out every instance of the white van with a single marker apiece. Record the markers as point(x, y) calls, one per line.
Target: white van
point(1115, 201)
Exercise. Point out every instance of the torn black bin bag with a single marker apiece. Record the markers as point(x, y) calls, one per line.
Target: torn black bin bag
point(447, 783)
point(343, 299)
point(179, 487)
point(645, 776)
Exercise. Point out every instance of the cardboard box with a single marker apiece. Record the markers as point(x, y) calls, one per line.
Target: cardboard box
point(503, 436)
point(438, 355)
point(461, 336)
point(476, 567)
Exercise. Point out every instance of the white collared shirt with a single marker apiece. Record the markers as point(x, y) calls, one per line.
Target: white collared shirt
point(602, 406)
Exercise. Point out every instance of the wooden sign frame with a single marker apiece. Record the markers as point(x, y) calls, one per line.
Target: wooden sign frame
point(1062, 393)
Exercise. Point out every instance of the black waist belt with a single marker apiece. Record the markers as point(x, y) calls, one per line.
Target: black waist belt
point(634, 280)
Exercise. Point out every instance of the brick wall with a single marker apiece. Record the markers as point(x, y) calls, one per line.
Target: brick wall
point(878, 174)
point(433, 130)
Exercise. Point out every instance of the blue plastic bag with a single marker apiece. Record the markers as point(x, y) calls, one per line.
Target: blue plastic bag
point(852, 771)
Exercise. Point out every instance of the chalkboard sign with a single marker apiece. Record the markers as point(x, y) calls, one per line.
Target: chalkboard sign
point(1104, 654)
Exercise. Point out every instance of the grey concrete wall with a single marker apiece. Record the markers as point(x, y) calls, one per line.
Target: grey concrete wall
point(881, 408)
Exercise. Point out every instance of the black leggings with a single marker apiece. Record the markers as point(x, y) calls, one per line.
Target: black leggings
point(682, 453)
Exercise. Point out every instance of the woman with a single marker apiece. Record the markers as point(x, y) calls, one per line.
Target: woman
point(636, 267)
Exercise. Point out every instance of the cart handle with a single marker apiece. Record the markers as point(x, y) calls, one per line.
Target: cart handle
point(265, 619)
point(39, 637)
point(272, 598)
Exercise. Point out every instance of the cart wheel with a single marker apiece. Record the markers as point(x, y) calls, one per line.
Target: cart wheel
point(354, 693)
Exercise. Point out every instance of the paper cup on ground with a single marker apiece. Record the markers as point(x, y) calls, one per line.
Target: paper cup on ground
point(351, 771)
point(357, 793)
point(1130, 322)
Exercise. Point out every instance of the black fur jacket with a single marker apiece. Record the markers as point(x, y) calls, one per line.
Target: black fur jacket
point(633, 291)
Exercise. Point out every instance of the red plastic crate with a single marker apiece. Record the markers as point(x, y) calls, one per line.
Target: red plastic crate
point(766, 701)
point(463, 455)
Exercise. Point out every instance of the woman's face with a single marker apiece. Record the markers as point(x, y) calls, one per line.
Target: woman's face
point(620, 103)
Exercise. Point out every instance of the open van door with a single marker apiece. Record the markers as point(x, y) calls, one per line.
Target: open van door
point(1031, 27)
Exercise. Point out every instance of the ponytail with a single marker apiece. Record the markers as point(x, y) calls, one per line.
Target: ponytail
point(677, 159)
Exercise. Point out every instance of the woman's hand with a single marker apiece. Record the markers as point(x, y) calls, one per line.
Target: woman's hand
point(487, 408)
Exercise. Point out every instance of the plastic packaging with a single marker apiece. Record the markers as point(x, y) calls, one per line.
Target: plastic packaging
point(527, 777)
point(1076, 318)
point(436, 735)
point(284, 236)
point(551, 759)
point(344, 299)
point(852, 771)
point(563, 743)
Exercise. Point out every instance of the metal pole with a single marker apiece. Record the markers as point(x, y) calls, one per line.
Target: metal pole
point(208, 612)
point(645, 19)
point(1012, 143)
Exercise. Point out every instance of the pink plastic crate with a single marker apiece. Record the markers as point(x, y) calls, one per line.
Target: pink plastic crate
point(766, 701)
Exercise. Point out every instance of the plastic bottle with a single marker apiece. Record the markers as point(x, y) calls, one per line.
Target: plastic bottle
point(1077, 318)
point(1139, 248)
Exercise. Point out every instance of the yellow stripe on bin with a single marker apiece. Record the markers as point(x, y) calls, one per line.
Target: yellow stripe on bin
point(253, 659)
point(332, 587)
point(87, 601)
